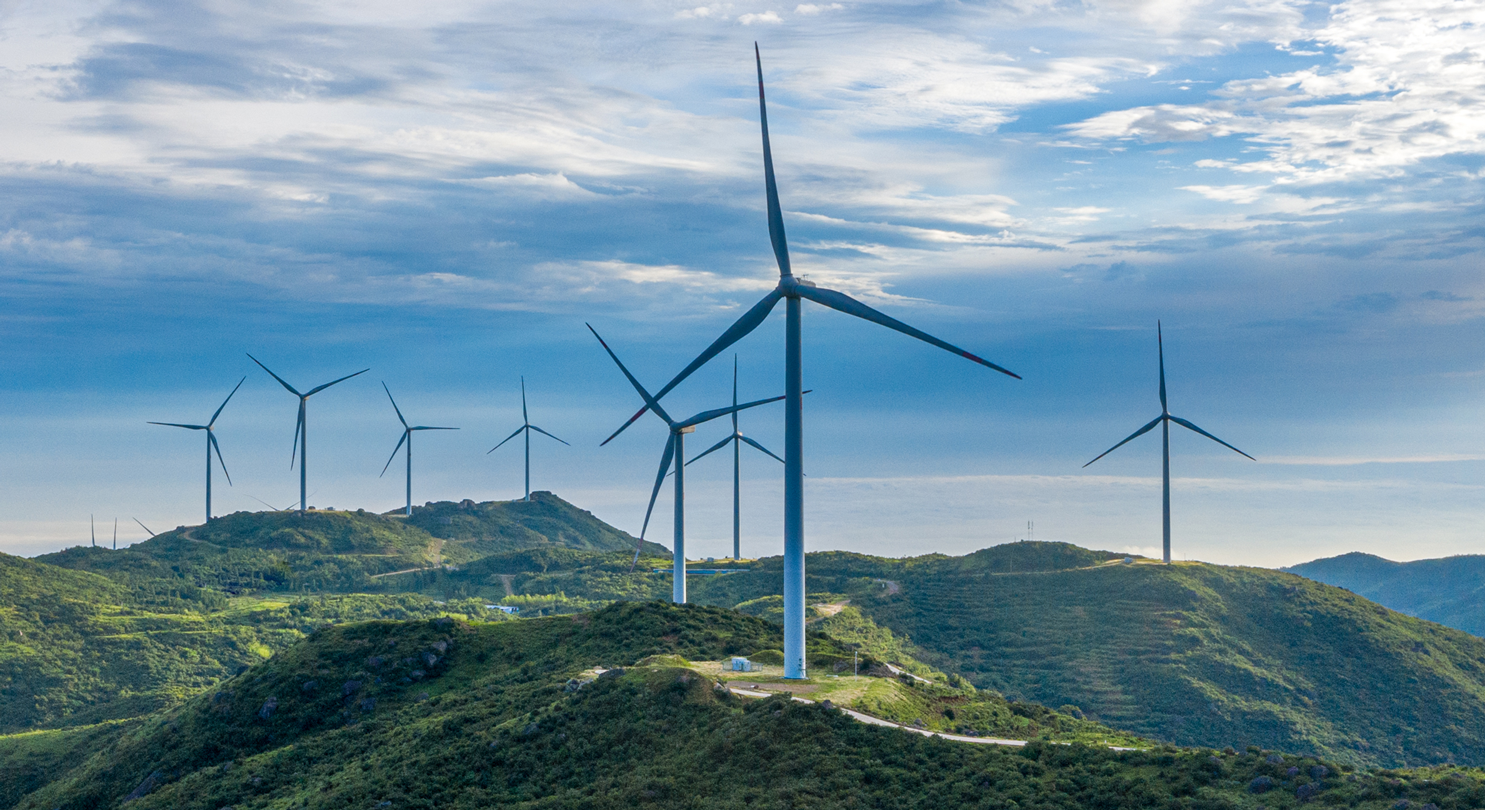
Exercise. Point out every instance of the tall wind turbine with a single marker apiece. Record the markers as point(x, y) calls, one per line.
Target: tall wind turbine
point(301, 427)
point(736, 440)
point(407, 432)
point(526, 427)
point(211, 444)
point(1164, 420)
point(792, 290)
point(675, 450)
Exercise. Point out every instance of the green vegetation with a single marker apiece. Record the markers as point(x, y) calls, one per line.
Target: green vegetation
point(494, 527)
point(457, 715)
point(77, 648)
point(1450, 591)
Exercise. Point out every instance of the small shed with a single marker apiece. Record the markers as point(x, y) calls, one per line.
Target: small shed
point(740, 664)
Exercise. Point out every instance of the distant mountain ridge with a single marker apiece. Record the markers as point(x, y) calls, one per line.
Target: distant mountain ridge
point(1449, 590)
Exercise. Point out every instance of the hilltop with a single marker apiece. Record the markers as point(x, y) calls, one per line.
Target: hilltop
point(1190, 653)
point(1450, 591)
point(342, 551)
point(494, 527)
point(455, 715)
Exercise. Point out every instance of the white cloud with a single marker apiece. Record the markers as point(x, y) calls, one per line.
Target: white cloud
point(765, 17)
point(1405, 89)
point(817, 8)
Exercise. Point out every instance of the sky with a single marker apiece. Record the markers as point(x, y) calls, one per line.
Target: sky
point(446, 194)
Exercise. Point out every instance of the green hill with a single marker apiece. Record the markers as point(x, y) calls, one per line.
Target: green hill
point(495, 527)
point(1450, 591)
point(1190, 653)
point(330, 551)
point(77, 648)
point(453, 715)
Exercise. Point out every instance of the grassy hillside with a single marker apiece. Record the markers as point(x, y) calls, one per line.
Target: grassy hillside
point(451, 715)
point(1204, 654)
point(1189, 653)
point(327, 551)
point(1450, 591)
point(77, 648)
point(494, 527)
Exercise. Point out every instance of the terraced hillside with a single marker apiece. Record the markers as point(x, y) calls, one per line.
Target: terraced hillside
point(1450, 591)
point(453, 715)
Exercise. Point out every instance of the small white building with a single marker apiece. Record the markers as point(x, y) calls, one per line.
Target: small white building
point(503, 608)
point(740, 664)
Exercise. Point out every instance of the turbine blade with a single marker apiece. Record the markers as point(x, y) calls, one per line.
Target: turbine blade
point(650, 401)
point(1183, 423)
point(544, 433)
point(775, 213)
point(175, 424)
point(1160, 341)
point(737, 331)
point(394, 453)
point(318, 389)
point(275, 376)
point(212, 437)
point(1142, 431)
point(760, 447)
point(841, 302)
point(298, 424)
point(394, 403)
point(142, 526)
point(524, 417)
point(710, 450)
point(734, 390)
point(665, 460)
point(707, 416)
point(259, 500)
point(225, 401)
point(506, 439)
point(429, 427)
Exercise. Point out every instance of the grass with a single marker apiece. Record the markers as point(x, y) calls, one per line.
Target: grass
point(502, 717)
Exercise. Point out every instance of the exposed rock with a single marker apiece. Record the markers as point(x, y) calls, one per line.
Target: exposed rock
point(349, 688)
point(1262, 784)
point(417, 674)
point(368, 704)
point(1309, 791)
point(374, 661)
point(269, 707)
point(1275, 759)
point(1318, 772)
point(309, 686)
point(430, 659)
point(150, 783)
point(441, 646)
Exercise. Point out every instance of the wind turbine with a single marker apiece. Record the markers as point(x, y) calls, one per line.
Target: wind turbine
point(407, 432)
point(526, 427)
point(211, 444)
point(736, 440)
point(142, 526)
point(301, 427)
point(675, 450)
point(792, 290)
point(1164, 420)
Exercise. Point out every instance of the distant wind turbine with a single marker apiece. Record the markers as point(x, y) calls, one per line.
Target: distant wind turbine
point(211, 444)
point(407, 432)
point(675, 450)
point(792, 290)
point(92, 532)
point(526, 427)
point(146, 528)
point(736, 440)
point(1164, 420)
point(301, 427)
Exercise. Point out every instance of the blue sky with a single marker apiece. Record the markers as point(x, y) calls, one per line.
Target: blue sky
point(447, 195)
